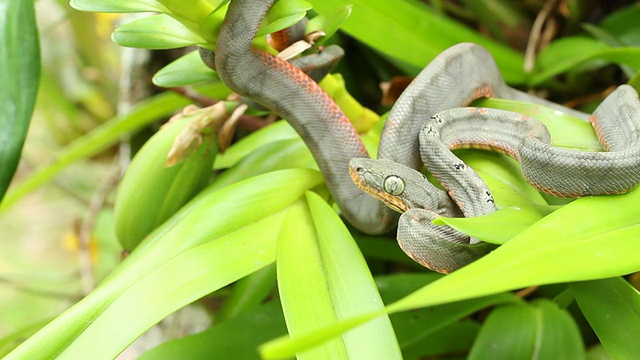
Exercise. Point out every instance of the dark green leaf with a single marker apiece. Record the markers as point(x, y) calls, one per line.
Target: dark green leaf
point(235, 338)
point(619, 24)
point(612, 307)
point(19, 76)
point(99, 139)
point(411, 34)
point(528, 331)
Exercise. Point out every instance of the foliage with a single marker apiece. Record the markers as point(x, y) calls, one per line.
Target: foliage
point(21, 75)
point(266, 222)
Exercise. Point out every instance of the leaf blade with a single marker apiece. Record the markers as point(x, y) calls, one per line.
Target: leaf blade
point(20, 76)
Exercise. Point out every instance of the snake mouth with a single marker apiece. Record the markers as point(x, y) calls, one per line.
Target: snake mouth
point(359, 176)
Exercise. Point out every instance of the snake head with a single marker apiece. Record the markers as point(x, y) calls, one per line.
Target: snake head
point(400, 187)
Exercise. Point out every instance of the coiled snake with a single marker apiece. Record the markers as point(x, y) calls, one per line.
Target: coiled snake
point(424, 125)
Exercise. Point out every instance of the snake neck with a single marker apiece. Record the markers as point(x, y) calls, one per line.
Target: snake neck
point(286, 90)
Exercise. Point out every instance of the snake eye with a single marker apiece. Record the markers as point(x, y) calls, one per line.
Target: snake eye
point(394, 185)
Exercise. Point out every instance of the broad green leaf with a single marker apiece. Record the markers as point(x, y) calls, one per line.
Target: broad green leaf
point(150, 192)
point(19, 74)
point(612, 307)
point(456, 338)
point(618, 24)
point(235, 338)
point(504, 177)
point(107, 134)
point(323, 276)
point(117, 6)
point(383, 248)
point(566, 131)
point(396, 286)
point(248, 293)
point(194, 13)
point(500, 226)
point(11, 341)
point(277, 155)
point(159, 31)
point(187, 70)
point(415, 327)
point(601, 34)
point(302, 283)
point(220, 237)
point(528, 331)
point(549, 252)
point(568, 53)
point(329, 23)
point(201, 17)
point(280, 130)
point(411, 34)
point(283, 14)
point(353, 289)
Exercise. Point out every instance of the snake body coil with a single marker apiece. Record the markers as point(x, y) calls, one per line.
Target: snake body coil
point(456, 77)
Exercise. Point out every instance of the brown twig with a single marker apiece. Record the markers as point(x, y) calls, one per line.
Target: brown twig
point(86, 230)
point(189, 93)
point(526, 292)
point(533, 45)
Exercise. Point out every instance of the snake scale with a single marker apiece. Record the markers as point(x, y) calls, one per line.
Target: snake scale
point(425, 124)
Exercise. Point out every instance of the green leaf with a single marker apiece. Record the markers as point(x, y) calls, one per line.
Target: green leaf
point(187, 70)
point(566, 131)
point(99, 139)
point(278, 155)
point(280, 130)
point(322, 277)
point(329, 23)
point(159, 31)
point(504, 177)
point(618, 24)
point(500, 226)
point(500, 18)
point(236, 338)
point(283, 14)
point(302, 282)
point(411, 34)
point(612, 307)
point(10, 342)
point(549, 252)
point(528, 331)
point(218, 238)
point(568, 53)
point(248, 293)
point(150, 192)
point(117, 6)
point(415, 327)
point(456, 338)
point(20, 74)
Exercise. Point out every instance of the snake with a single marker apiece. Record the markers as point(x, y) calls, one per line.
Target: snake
point(429, 119)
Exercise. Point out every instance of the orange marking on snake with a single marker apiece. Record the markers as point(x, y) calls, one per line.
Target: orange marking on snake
point(308, 85)
point(598, 130)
